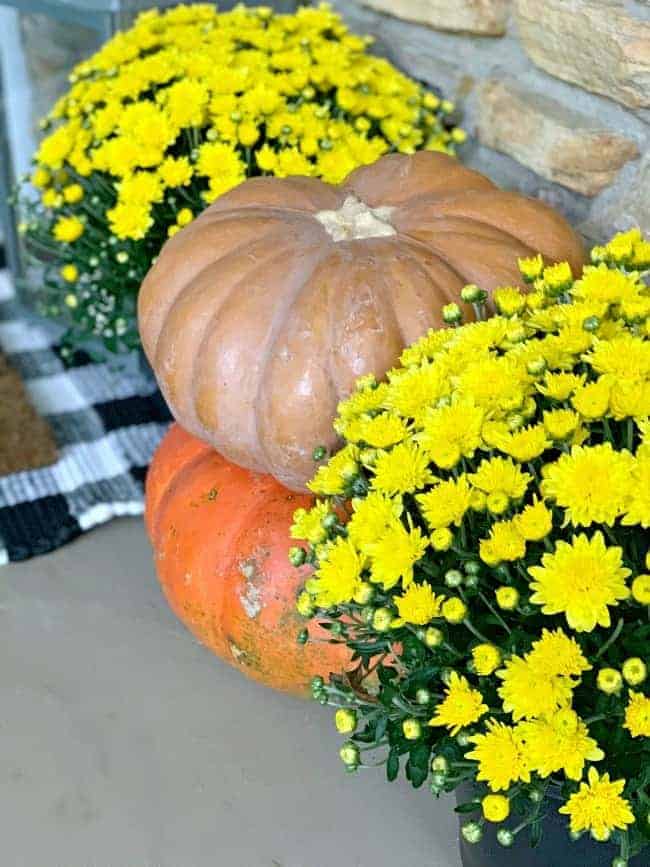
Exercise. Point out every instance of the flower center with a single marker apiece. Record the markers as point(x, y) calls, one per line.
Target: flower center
point(354, 220)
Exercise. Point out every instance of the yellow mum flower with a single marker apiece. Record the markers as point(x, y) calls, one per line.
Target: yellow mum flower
point(419, 604)
point(394, 554)
point(175, 172)
point(380, 431)
point(451, 432)
point(559, 743)
point(509, 300)
point(486, 659)
point(598, 806)
point(332, 477)
point(68, 229)
point(561, 423)
point(531, 268)
point(140, 188)
point(527, 693)
point(371, 517)
point(592, 483)
point(637, 715)
point(560, 386)
point(600, 283)
point(558, 277)
point(581, 579)
point(526, 444)
point(339, 576)
point(404, 469)
point(130, 220)
point(368, 396)
point(556, 653)
point(308, 523)
point(592, 400)
point(626, 357)
point(446, 503)
point(501, 756)
point(501, 475)
point(637, 509)
point(535, 522)
point(412, 391)
point(461, 706)
point(504, 543)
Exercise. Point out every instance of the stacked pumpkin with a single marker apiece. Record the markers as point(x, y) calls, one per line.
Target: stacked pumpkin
point(257, 319)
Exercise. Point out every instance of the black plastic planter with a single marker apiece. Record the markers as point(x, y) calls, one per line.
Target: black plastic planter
point(555, 849)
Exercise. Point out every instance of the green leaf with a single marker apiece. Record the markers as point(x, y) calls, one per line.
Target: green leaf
point(386, 674)
point(470, 807)
point(416, 773)
point(392, 766)
point(536, 833)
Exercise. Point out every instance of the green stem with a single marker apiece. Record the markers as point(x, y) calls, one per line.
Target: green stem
point(612, 638)
point(495, 613)
point(475, 632)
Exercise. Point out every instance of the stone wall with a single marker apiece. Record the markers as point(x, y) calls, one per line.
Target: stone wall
point(555, 94)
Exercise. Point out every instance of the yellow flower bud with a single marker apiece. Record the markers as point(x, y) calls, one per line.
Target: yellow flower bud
point(486, 659)
point(439, 765)
point(531, 268)
point(69, 274)
point(433, 637)
point(507, 598)
point(382, 619)
point(412, 729)
point(248, 133)
point(345, 721)
point(184, 216)
point(477, 500)
point(454, 610)
point(634, 671)
point(497, 503)
point(641, 589)
point(349, 754)
point(610, 681)
point(304, 605)
point(41, 178)
point(71, 301)
point(364, 593)
point(441, 539)
point(496, 808)
point(73, 193)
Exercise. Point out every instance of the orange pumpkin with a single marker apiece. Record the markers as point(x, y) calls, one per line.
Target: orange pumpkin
point(260, 315)
point(221, 539)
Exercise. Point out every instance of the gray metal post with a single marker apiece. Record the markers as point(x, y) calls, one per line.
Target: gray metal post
point(7, 181)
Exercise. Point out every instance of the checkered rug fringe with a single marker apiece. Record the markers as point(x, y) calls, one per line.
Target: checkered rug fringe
point(107, 421)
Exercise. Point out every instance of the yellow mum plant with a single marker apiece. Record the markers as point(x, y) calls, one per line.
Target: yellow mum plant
point(481, 544)
point(181, 108)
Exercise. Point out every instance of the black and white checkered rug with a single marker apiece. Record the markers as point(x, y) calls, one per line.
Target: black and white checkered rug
point(107, 422)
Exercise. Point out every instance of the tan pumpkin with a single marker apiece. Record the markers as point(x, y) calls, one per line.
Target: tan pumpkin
point(260, 315)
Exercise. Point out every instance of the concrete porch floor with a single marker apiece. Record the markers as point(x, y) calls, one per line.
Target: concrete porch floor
point(124, 743)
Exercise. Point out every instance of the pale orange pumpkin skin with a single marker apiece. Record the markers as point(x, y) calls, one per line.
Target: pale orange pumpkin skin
point(220, 535)
point(257, 321)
